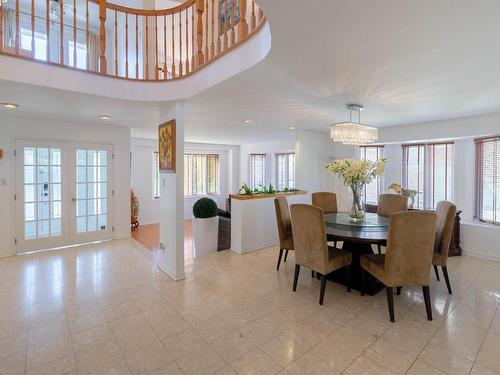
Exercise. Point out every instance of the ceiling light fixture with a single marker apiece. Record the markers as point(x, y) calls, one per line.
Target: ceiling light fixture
point(353, 133)
point(247, 121)
point(10, 105)
point(104, 117)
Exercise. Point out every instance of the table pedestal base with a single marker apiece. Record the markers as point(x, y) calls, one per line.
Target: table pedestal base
point(372, 285)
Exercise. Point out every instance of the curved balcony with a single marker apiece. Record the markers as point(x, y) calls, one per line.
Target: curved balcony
point(133, 44)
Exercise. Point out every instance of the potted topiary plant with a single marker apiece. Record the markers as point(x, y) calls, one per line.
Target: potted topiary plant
point(205, 226)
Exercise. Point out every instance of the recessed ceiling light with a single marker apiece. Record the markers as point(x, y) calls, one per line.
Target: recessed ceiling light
point(10, 105)
point(247, 121)
point(104, 117)
point(292, 128)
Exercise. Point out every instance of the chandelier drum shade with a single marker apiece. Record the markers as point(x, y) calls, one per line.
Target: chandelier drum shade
point(353, 133)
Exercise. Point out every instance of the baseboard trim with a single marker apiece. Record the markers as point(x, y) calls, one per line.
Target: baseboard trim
point(255, 248)
point(482, 255)
point(171, 274)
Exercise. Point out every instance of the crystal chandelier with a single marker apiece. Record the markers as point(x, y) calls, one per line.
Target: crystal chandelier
point(353, 133)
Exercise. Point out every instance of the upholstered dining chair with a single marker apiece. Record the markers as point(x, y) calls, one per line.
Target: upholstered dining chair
point(311, 247)
point(445, 212)
point(387, 205)
point(328, 202)
point(408, 259)
point(284, 227)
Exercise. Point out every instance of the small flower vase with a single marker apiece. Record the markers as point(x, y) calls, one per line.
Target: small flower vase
point(357, 213)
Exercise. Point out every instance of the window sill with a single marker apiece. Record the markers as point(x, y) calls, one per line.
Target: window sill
point(478, 223)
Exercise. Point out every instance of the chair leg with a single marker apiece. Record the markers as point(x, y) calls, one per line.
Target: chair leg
point(363, 280)
point(427, 299)
point(348, 270)
point(286, 256)
point(436, 271)
point(322, 290)
point(279, 260)
point(296, 277)
point(335, 244)
point(379, 248)
point(312, 274)
point(446, 278)
point(390, 302)
point(398, 290)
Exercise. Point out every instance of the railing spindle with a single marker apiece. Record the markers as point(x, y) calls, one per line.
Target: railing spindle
point(165, 46)
point(33, 29)
point(147, 47)
point(219, 44)
point(173, 48)
point(87, 34)
point(212, 46)
point(187, 42)
point(136, 46)
point(156, 47)
point(1, 26)
point(193, 54)
point(243, 25)
point(47, 28)
point(74, 35)
point(206, 31)
point(17, 40)
point(116, 44)
point(126, 45)
point(253, 23)
point(231, 24)
point(199, 32)
point(181, 72)
point(102, 36)
point(61, 32)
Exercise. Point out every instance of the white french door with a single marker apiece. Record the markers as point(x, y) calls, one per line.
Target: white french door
point(63, 194)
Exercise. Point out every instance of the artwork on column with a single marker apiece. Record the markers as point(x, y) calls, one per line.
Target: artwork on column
point(166, 146)
point(229, 15)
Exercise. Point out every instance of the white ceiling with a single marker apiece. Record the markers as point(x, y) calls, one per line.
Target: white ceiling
point(405, 61)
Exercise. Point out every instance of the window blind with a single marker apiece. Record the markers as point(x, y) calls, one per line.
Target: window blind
point(373, 189)
point(285, 171)
point(488, 179)
point(413, 171)
point(201, 174)
point(257, 170)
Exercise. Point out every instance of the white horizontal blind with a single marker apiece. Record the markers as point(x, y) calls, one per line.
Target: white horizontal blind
point(285, 171)
point(488, 179)
point(257, 170)
point(201, 174)
point(413, 171)
point(440, 183)
point(373, 189)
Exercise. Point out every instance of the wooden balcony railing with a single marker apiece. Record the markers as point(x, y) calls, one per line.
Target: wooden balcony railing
point(113, 40)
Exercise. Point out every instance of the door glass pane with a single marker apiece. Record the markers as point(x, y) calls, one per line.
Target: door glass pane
point(42, 192)
point(91, 190)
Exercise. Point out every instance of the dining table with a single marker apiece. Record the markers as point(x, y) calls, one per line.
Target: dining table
point(357, 238)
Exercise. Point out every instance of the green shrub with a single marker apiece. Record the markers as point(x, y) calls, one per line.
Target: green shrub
point(205, 208)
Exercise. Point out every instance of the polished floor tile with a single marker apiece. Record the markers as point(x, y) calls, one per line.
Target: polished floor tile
point(107, 309)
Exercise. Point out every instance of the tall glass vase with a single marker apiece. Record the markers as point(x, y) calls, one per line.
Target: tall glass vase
point(357, 214)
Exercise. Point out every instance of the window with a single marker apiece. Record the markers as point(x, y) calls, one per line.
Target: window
point(428, 169)
point(201, 174)
point(40, 43)
point(156, 175)
point(440, 180)
point(488, 179)
point(257, 170)
point(285, 171)
point(413, 171)
point(373, 189)
point(81, 54)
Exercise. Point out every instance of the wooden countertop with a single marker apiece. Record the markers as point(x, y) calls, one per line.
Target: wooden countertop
point(244, 197)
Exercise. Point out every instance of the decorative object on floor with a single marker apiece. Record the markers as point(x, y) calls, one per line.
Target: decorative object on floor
point(408, 193)
point(311, 249)
point(356, 174)
point(205, 226)
point(284, 227)
point(134, 210)
point(353, 133)
point(446, 212)
point(408, 259)
point(166, 146)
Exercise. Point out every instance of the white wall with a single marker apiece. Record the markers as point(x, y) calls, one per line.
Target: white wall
point(477, 238)
point(12, 127)
point(268, 148)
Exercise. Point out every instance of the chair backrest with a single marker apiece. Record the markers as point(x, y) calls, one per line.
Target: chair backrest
point(283, 218)
point(325, 200)
point(309, 236)
point(390, 203)
point(410, 245)
point(445, 212)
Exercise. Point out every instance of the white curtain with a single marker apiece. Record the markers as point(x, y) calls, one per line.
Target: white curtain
point(9, 27)
point(93, 52)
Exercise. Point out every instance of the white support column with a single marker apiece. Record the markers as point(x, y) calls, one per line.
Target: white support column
point(171, 259)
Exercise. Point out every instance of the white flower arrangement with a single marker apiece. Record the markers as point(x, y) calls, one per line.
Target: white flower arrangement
point(357, 172)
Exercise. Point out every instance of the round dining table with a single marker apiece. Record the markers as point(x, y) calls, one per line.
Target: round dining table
point(357, 238)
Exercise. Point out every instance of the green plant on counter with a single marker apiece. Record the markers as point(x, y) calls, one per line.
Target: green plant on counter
point(269, 189)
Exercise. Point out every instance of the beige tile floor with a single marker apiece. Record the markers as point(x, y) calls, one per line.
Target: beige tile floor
point(106, 309)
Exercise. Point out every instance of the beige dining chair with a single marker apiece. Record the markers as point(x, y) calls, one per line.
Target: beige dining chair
point(311, 247)
point(445, 212)
point(284, 227)
point(328, 202)
point(408, 259)
point(387, 205)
